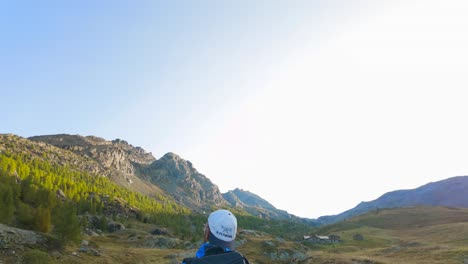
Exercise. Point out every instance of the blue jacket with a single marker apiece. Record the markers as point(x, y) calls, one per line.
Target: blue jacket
point(201, 252)
point(208, 249)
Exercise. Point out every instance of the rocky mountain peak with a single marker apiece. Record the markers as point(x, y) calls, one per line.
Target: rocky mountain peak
point(178, 166)
point(178, 177)
point(170, 156)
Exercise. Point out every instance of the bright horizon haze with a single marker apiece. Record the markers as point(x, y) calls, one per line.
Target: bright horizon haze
point(313, 105)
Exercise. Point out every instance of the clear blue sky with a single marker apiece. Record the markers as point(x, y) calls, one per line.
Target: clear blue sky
point(292, 100)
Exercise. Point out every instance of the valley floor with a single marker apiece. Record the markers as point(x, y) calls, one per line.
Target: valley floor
point(429, 235)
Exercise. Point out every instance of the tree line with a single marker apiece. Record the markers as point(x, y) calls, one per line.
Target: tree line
point(29, 200)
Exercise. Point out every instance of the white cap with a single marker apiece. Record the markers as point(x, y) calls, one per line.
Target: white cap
point(223, 225)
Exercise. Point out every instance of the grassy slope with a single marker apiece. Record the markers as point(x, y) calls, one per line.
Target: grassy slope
point(404, 235)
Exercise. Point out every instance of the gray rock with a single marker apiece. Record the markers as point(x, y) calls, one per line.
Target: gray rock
point(161, 242)
point(55, 254)
point(115, 226)
point(10, 236)
point(94, 252)
point(358, 237)
point(159, 232)
point(83, 249)
point(61, 195)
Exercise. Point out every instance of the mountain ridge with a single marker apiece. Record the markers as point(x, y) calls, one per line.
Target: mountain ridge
point(449, 192)
point(177, 178)
point(136, 169)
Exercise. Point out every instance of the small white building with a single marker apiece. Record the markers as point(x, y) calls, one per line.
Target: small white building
point(323, 239)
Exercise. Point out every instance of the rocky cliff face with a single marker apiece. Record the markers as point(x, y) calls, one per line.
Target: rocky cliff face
point(178, 177)
point(50, 153)
point(116, 155)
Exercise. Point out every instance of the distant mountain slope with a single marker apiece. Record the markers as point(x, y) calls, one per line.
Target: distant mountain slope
point(254, 204)
point(452, 192)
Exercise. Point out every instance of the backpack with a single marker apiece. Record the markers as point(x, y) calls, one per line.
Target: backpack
point(232, 257)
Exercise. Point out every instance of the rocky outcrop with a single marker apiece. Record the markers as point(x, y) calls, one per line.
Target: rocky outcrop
point(49, 153)
point(116, 155)
point(116, 159)
point(179, 178)
point(14, 237)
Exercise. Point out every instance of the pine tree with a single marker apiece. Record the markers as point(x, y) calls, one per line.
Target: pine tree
point(66, 223)
point(43, 220)
point(7, 204)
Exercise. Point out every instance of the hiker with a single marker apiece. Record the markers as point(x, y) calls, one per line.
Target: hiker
point(219, 235)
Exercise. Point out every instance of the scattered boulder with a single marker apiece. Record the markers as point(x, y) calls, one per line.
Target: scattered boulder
point(287, 255)
point(160, 232)
point(358, 237)
point(90, 232)
point(95, 252)
point(11, 237)
point(61, 195)
point(115, 226)
point(83, 249)
point(161, 242)
point(56, 254)
point(248, 232)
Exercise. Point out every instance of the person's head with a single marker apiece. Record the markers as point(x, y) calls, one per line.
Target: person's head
point(221, 229)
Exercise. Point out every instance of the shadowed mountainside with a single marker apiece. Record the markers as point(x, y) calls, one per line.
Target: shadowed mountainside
point(254, 204)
